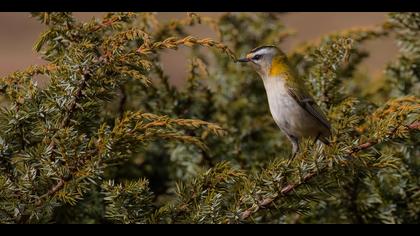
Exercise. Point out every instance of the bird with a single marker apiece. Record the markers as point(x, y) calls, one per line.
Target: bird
point(293, 109)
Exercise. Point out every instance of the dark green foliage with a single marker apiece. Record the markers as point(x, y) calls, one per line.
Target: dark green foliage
point(108, 139)
point(404, 74)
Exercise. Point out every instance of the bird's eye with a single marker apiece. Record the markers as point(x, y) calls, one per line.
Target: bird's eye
point(256, 57)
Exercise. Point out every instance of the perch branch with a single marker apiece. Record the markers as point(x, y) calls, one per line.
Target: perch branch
point(291, 187)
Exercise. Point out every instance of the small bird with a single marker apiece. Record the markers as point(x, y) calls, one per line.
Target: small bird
point(292, 107)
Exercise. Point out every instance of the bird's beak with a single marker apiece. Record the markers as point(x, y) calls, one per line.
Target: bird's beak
point(243, 60)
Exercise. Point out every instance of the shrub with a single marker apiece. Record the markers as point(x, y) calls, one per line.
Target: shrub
point(109, 139)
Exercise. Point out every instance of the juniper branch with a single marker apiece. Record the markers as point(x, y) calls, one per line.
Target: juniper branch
point(173, 43)
point(293, 186)
point(65, 122)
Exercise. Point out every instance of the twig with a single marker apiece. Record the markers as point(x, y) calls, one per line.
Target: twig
point(267, 201)
point(123, 100)
point(363, 146)
point(173, 43)
point(414, 125)
point(65, 122)
point(79, 94)
point(52, 191)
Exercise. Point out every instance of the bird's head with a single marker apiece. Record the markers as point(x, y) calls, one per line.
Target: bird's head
point(267, 60)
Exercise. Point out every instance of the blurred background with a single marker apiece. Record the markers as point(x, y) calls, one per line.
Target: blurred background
point(18, 33)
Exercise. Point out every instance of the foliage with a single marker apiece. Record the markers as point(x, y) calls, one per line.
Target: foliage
point(108, 138)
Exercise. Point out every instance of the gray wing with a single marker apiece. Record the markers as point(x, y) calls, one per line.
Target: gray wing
point(309, 105)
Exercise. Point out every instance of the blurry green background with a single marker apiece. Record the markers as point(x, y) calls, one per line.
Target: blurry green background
point(18, 32)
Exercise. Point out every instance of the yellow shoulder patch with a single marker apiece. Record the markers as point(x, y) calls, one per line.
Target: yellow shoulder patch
point(278, 67)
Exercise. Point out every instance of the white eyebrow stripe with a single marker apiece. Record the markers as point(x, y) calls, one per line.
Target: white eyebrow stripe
point(262, 51)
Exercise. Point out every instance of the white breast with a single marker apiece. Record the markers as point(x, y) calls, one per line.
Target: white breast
point(279, 100)
point(287, 114)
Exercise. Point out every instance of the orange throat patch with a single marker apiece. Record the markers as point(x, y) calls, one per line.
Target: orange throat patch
point(278, 67)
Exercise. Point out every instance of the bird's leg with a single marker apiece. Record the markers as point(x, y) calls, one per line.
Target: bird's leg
point(290, 160)
point(295, 149)
point(316, 139)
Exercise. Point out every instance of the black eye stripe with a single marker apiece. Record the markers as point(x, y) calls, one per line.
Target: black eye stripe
point(256, 57)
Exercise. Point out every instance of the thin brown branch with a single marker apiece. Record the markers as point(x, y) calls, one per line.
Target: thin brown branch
point(123, 101)
point(414, 125)
point(79, 94)
point(55, 188)
point(284, 191)
point(105, 23)
point(64, 123)
point(66, 120)
point(52, 191)
point(363, 146)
